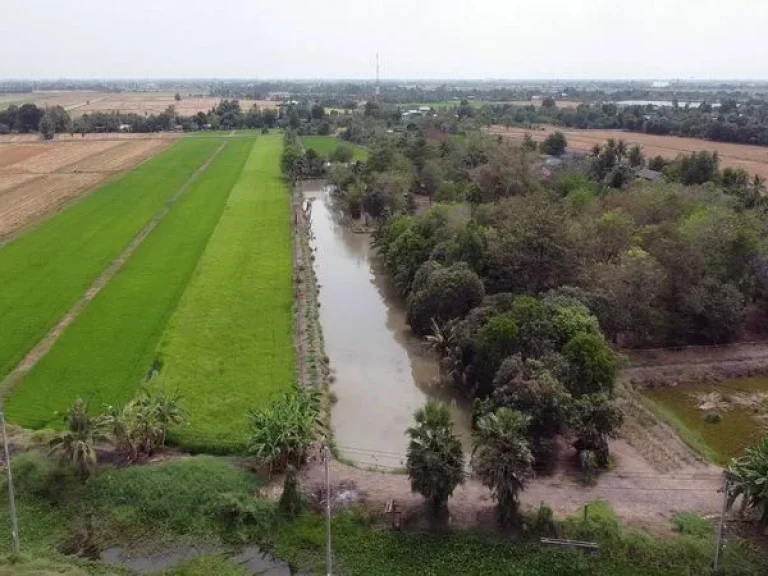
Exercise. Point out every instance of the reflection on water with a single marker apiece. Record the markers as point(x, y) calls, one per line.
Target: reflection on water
point(383, 372)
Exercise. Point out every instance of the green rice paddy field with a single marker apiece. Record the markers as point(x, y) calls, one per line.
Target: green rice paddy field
point(324, 145)
point(209, 292)
point(48, 269)
point(229, 346)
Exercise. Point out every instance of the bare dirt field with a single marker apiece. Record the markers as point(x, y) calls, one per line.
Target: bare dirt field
point(37, 179)
point(753, 159)
point(82, 102)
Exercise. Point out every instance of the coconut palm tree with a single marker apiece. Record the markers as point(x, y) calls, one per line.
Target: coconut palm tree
point(435, 461)
point(502, 458)
point(76, 445)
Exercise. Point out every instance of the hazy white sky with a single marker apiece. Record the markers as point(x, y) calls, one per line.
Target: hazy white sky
point(416, 38)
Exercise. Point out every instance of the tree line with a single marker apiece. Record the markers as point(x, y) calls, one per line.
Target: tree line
point(743, 122)
point(227, 115)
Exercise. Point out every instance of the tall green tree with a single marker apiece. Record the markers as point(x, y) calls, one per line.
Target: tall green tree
point(435, 461)
point(595, 419)
point(502, 458)
point(554, 144)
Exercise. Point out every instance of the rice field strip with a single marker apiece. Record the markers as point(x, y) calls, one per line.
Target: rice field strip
point(44, 346)
point(229, 344)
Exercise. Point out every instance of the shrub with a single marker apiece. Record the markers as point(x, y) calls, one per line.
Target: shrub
point(283, 431)
point(713, 417)
point(182, 496)
point(241, 509)
point(691, 524)
point(37, 475)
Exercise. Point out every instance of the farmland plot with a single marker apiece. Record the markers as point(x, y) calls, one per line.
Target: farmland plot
point(324, 145)
point(45, 271)
point(229, 346)
point(106, 353)
point(38, 179)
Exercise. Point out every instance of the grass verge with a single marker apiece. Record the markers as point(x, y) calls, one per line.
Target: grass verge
point(107, 352)
point(145, 508)
point(229, 345)
point(45, 271)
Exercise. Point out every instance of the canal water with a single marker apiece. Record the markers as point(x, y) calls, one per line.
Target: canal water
point(383, 372)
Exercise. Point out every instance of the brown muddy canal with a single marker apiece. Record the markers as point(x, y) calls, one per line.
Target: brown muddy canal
point(383, 372)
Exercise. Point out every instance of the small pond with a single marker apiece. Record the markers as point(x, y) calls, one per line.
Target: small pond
point(742, 406)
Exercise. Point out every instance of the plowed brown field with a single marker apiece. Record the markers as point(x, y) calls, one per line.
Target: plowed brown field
point(37, 179)
point(753, 159)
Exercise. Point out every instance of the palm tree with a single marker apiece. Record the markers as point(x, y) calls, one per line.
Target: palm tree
point(502, 458)
point(76, 445)
point(442, 342)
point(435, 460)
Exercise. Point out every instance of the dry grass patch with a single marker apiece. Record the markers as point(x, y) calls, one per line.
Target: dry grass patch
point(37, 179)
point(10, 155)
point(10, 181)
point(59, 155)
point(39, 196)
point(121, 157)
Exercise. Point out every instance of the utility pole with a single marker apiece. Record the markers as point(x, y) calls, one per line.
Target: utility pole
point(11, 496)
point(727, 479)
point(328, 551)
point(377, 77)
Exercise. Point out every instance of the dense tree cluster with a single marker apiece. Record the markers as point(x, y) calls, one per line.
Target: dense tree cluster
point(515, 275)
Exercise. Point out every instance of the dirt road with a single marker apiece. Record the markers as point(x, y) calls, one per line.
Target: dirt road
point(638, 493)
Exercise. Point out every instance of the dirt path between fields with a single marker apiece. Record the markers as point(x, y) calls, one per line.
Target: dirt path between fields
point(42, 347)
point(692, 364)
point(639, 494)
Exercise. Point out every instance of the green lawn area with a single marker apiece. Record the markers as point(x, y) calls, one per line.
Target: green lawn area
point(107, 352)
point(741, 410)
point(229, 345)
point(45, 271)
point(324, 145)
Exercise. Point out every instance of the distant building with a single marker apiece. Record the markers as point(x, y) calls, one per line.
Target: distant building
point(124, 128)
